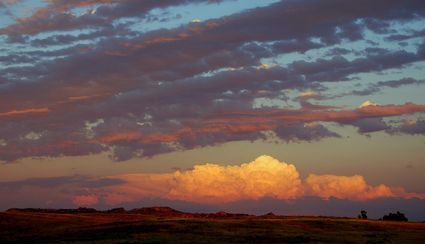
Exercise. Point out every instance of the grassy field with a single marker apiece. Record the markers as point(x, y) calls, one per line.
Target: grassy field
point(36, 227)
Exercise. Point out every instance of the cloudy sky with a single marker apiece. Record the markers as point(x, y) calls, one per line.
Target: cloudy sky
point(213, 104)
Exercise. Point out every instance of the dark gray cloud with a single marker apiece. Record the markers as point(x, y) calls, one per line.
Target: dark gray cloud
point(339, 68)
point(7, 3)
point(412, 127)
point(166, 89)
point(379, 86)
point(401, 82)
point(304, 132)
point(47, 182)
point(369, 125)
point(57, 17)
point(66, 39)
point(404, 37)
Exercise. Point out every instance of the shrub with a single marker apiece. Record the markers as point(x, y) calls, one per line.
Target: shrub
point(362, 215)
point(395, 217)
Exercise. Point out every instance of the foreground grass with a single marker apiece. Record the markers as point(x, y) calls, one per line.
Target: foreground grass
point(21, 227)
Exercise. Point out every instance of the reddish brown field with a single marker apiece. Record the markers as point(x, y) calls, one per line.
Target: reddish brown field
point(157, 226)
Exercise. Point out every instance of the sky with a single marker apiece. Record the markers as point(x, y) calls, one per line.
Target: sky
point(291, 106)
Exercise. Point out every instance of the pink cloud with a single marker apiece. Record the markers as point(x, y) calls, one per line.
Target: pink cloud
point(345, 187)
point(85, 200)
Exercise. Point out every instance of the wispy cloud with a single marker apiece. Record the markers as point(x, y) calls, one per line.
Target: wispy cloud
point(23, 112)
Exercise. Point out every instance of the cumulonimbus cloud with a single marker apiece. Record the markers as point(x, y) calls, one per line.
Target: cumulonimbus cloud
point(263, 177)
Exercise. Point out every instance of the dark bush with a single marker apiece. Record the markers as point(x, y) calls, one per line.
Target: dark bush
point(362, 215)
point(395, 217)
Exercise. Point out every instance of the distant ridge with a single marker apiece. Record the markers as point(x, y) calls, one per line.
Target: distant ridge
point(167, 211)
point(160, 211)
point(271, 215)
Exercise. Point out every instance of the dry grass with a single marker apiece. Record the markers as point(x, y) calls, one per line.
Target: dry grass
point(27, 227)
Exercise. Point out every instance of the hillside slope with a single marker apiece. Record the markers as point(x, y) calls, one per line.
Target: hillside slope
point(169, 225)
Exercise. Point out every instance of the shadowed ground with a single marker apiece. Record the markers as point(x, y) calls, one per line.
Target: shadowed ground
point(167, 225)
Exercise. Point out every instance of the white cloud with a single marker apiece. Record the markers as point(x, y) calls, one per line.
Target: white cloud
point(367, 103)
point(33, 136)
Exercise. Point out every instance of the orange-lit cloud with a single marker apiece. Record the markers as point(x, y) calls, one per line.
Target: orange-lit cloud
point(297, 116)
point(213, 183)
point(263, 177)
point(308, 94)
point(121, 136)
point(183, 132)
point(84, 98)
point(261, 120)
point(345, 187)
point(24, 112)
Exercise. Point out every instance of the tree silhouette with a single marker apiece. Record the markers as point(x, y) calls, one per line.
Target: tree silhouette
point(395, 217)
point(362, 215)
